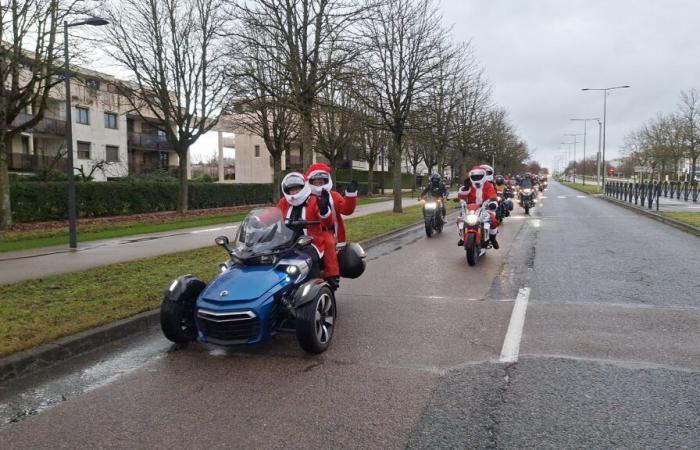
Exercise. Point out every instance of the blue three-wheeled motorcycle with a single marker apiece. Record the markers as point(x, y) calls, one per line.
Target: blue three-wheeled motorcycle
point(271, 283)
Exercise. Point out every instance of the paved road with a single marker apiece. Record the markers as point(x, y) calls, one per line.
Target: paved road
point(37, 263)
point(609, 356)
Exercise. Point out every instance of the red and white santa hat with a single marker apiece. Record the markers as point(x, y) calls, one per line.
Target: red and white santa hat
point(319, 170)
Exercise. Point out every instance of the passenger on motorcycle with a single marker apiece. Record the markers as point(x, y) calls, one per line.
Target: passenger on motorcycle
point(298, 204)
point(437, 189)
point(319, 178)
point(478, 192)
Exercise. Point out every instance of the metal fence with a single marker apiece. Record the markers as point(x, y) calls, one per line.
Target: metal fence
point(647, 193)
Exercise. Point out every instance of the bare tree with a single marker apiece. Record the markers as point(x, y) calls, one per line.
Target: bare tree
point(172, 48)
point(468, 117)
point(374, 140)
point(263, 98)
point(689, 117)
point(313, 40)
point(400, 54)
point(336, 121)
point(30, 66)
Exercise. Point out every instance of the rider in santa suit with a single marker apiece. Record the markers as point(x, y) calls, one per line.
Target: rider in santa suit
point(298, 204)
point(319, 177)
point(478, 191)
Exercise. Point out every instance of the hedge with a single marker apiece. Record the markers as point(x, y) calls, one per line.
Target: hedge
point(42, 201)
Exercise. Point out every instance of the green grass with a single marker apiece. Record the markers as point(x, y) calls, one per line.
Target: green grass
point(689, 218)
point(38, 311)
point(12, 241)
point(587, 188)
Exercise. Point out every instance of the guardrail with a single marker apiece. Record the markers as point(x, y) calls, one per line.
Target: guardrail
point(646, 193)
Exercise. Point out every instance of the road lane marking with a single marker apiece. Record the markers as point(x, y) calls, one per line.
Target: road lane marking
point(561, 196)
point(580, 196)
point(511, 343)
point(209, 230)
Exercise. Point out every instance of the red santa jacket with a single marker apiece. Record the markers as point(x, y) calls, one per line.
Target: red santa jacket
point(342, 206)
point(478, 195)
point(323, 239)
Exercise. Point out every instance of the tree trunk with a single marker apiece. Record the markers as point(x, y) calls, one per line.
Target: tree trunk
point(693, 168)
point(370, 179)
point(396, 151)
point(5, 207)
point(182, 200)
point(276, 177)
point(307, 139)
point(415, 177)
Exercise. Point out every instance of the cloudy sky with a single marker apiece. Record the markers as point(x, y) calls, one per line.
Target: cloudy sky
point(538, 54)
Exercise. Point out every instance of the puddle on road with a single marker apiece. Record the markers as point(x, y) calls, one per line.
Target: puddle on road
point(31, 395)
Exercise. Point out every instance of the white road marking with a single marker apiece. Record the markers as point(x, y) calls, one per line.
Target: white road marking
point(561, 196)
point(580, 196)
point(511, 343)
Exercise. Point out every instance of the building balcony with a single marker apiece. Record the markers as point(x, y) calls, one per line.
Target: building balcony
point(47, 126)
point(148, 141)
point(20, 162)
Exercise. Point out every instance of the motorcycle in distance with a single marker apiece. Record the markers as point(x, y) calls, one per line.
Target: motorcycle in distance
point(474, 235)
point(526, 198)
point(269, 285)
point(505, 206)
point(432, 214)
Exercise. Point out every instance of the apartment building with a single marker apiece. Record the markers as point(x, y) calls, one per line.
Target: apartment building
point(107, 135)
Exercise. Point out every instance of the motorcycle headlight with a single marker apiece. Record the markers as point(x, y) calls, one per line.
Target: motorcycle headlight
point(472, 219)
point(430, 205)
point(527, 191)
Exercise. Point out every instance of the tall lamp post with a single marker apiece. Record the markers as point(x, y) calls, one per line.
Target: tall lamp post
point(568, 155)
point(585, 122)
point(575, 136)
point(72, 214)
point(605, 111)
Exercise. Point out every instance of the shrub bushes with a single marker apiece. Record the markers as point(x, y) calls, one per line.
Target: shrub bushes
point(39, 201)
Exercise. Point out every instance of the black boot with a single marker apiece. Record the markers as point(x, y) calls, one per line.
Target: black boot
point(494, 242)
point(333, 282)
point(460, 243)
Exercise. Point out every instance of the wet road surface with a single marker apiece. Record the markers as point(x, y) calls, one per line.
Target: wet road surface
point(609, 358)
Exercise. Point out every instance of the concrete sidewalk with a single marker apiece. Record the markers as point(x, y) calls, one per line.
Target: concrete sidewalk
point(43, 262)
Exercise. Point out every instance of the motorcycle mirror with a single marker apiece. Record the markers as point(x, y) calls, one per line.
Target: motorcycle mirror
point(303, 241)
point(221, 241)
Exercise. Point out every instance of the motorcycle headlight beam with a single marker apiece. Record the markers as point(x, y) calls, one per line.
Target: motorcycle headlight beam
point(472, 219)
point(430, 205)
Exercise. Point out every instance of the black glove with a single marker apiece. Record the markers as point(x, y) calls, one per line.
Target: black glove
point(324, 202)
point(352, 187)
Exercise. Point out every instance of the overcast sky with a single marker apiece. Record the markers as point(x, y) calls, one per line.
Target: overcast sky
point(538, 54)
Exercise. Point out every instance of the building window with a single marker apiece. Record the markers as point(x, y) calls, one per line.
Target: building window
point(112, 153)
point(92, 84)
point(257, 151)
point(25, 145)
point(82, 115)
point(83, 150)
point(111, 121)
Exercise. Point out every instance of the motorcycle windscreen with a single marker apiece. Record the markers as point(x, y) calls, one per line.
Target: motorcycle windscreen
point(240, 284)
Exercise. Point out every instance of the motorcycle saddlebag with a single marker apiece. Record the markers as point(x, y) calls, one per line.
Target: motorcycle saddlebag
point(351, 260)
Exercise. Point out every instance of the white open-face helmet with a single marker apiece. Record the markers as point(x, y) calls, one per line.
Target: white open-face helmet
point(317, 172)
point(295, 180)
point(489, 172)
point(477, 176)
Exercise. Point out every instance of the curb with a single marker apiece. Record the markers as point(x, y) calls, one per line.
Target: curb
point(43, 356)
point(46, 355)
point(658, 217)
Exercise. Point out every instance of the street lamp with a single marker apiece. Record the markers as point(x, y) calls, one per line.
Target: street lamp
point(575, 136)
point(605, 110)
point(585, 122)
point(568, 154)
point(72, 215)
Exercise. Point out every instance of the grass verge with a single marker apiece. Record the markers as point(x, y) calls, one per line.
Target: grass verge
point(587, 188)
point(12, 241)
point(688, 218)
point(38, 311)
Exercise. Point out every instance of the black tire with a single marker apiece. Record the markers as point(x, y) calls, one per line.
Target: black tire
point(527, 209)
point(472, 249)
point(177, 321)
point(428, 227)
point(315, 322)
point(439, 223)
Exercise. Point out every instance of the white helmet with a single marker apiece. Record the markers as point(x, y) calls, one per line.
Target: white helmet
point(477, 176)
point(489, 172)
point(295, 179)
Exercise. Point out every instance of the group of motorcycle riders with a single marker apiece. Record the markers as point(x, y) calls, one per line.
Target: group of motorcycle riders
point(310, 197)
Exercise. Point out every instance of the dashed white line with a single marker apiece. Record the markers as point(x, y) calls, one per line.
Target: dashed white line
point(580, 196)
point(561, 196)
point(511, 343)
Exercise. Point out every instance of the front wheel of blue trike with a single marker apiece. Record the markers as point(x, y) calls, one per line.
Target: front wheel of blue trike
point(315, 322)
